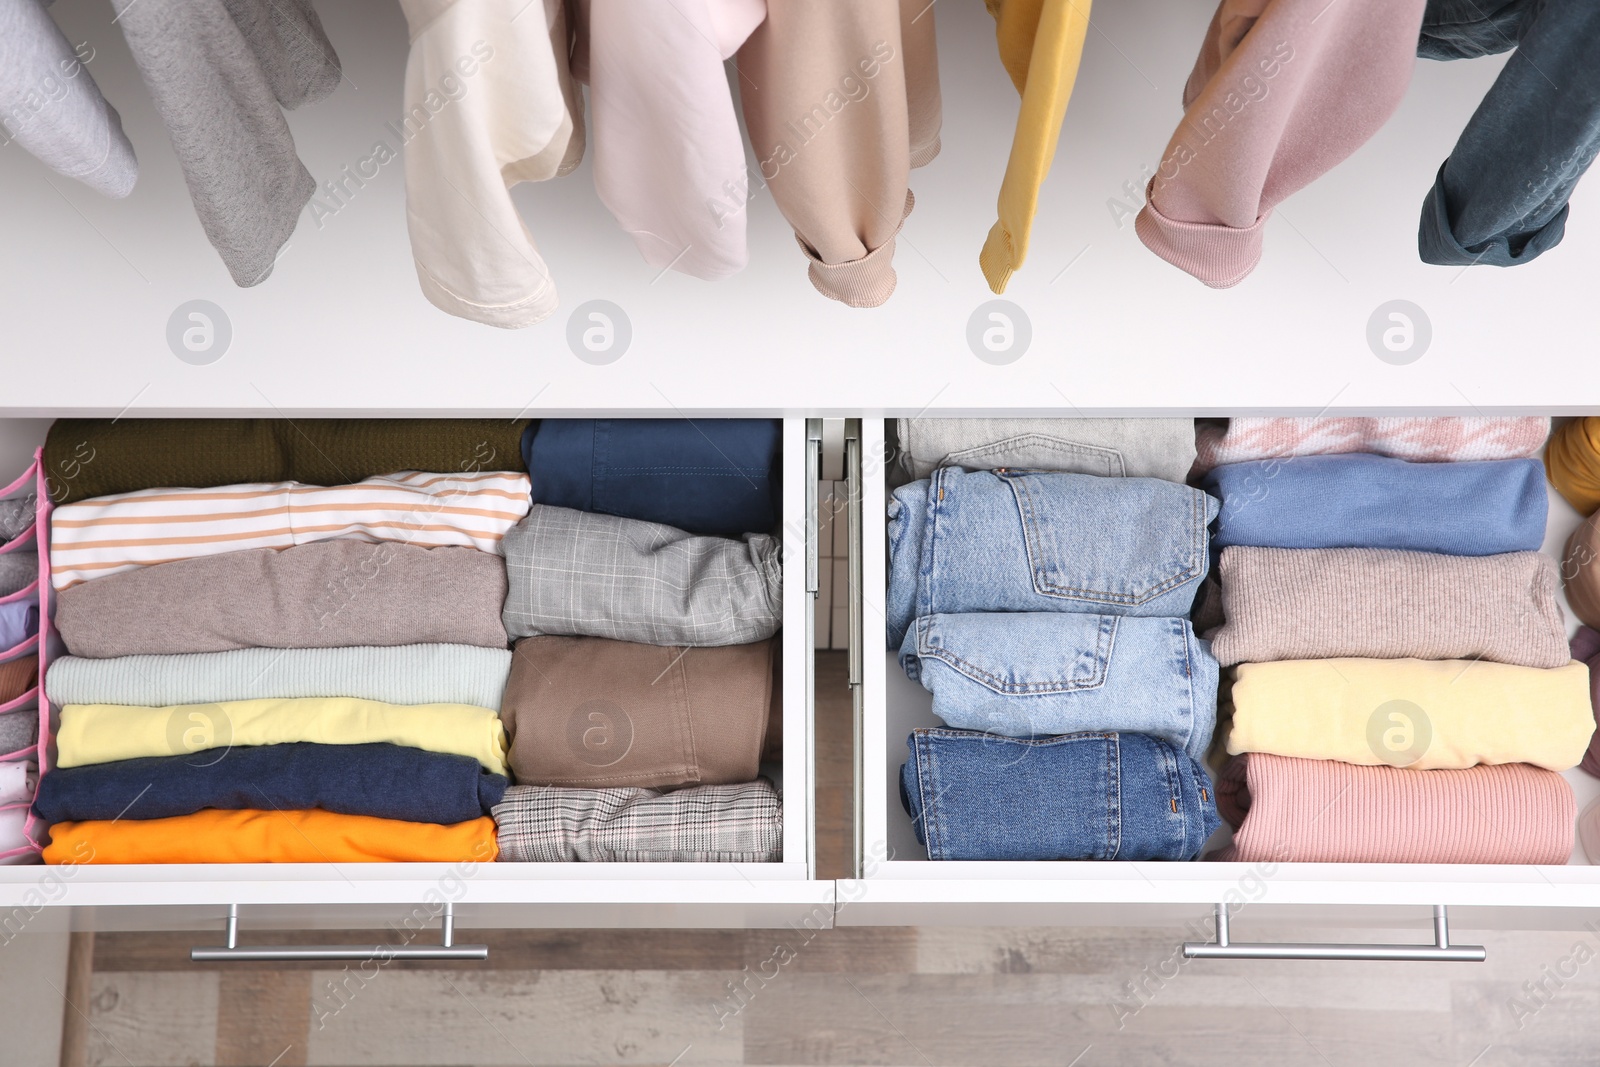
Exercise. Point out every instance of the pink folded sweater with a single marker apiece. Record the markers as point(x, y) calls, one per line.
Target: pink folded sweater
point(1445, 439)
point(1282, 92)
point(1320, 811)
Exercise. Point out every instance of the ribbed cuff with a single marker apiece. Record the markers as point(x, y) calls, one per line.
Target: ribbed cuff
point(998, 258)
point(860, 283)
point(922, 155)
point(1220, 256)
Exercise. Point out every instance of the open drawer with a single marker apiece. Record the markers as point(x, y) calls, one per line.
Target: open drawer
point(897, 884)
point(415, 896)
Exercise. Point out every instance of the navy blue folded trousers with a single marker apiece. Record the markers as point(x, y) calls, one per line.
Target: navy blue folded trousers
point(718, 477)
point(1501, 197)
point(385, 781)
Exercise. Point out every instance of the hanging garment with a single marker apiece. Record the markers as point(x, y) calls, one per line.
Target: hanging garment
point(1040, 42)
point(668, 155)
point(220, 72)
point(488, 104)
point(1501, 197)
point(50, 105)
point(1283, 91)
point(841, 98)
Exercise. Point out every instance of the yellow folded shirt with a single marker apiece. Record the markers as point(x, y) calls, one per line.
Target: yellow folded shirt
point(101, 733)
point(1423, 714)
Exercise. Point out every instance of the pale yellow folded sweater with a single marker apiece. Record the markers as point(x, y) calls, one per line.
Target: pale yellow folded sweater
point(101, 733)
point(1422, 714)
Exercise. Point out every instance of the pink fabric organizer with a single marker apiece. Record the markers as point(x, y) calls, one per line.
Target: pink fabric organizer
point(43, 643)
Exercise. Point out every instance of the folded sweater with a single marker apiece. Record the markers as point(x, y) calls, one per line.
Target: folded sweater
point(1420, 439)
point(580, 573)
point(107, 535)
point(382, 780)
point(327, 595)
point(1586, 649)
point(216, 836)
point(1572, 461)
point(740, 823)
point(403, 674)
point(1322, 603)
point(1323, 811)
point(1365, 501)
point(1423, 714)
point(101, 733)
point(101, 457)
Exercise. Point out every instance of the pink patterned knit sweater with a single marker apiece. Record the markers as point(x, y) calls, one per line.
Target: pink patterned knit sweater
point(1446, 439)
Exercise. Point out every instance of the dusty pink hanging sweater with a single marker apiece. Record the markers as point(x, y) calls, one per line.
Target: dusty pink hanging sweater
point(1282, 92)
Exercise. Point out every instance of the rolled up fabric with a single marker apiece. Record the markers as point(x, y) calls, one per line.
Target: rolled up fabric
point(215, 836)
point(1085, 796)
point(704, 476)
point(18, 570)
point(1030, 674)
point(327, 595)
point(403, 674)
point(971, 541)
point(579, 573)
point(1422, 714)
point(1585, 648)
point(1382, 603)
point(1324, 811)
point(1580, 571)
point(381, 780)
point(706, 824)
point(1364, 501)
point(17, 516)
point(1420, 439)
point(13, 834)
point(18, 780)
point(98, 457)
point(18, 730)
point(1116, 448)
point(586, 711)
point(102, 733)
point(19, 620)
point(1572, 461)
point(105, 536)
point(17, 676)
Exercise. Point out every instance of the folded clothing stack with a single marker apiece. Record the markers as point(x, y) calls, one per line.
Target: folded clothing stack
point(1045, 610)
point(273, 671)
point(1402, 686)
point(20, 666)
point(645, 593)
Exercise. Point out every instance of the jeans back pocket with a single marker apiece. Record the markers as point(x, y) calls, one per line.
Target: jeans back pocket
point(1002, 652)
point(1042, 452)
point(1121, 542)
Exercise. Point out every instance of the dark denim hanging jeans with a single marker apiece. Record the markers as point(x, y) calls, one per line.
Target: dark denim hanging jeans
point(1501, 197)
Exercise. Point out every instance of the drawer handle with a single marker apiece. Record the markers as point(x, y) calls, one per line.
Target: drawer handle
point(1440, 951)
point(235, 953)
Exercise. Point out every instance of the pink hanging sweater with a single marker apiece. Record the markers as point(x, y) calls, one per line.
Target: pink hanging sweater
point(1282, 92)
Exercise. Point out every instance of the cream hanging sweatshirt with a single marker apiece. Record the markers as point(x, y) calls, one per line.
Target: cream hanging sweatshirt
point(1040, 43)
point(1282, 92)
point(841, 98)
point(488, 104)
point(669, 159)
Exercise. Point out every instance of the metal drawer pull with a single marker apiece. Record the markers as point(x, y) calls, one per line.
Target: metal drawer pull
point(234, 952)
point(1440, 951)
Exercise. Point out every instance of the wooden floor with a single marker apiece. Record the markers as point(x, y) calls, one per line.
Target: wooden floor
point(918, 997)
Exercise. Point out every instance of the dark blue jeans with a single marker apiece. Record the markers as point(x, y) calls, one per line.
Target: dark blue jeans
point(1501, 197)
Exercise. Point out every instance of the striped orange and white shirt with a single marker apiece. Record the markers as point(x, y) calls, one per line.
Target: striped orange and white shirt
point(110, 534)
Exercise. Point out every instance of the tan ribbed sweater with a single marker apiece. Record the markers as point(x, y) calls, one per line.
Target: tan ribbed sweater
point(1284, 603)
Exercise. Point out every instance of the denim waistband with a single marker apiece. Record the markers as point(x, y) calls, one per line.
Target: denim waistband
point(971, 541)
point(1085, 796)
point(1036, 674)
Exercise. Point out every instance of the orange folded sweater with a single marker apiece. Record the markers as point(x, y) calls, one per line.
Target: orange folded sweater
point(314, 836)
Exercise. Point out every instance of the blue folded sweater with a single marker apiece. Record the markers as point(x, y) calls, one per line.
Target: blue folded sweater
point(1365, 501)
point(382, 780)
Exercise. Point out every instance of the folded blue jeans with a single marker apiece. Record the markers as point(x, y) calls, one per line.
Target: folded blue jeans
point(1033, 674)
point(966, 541)
point(1501, 198)
point(381, 780)
point(707, 476)
point(1086, 796)
point(1365, 501)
